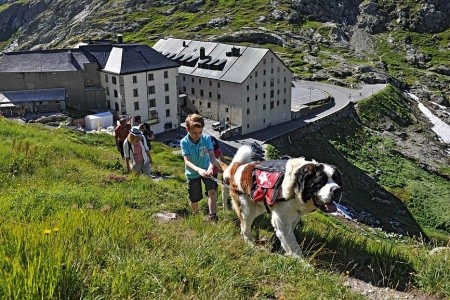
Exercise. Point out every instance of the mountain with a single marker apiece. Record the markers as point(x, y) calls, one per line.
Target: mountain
point(344, 42)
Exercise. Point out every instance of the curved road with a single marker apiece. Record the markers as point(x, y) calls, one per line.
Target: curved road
point(342, 96)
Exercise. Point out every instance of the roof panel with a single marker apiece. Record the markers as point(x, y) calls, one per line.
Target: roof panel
point(236, 68)
point(58, 94)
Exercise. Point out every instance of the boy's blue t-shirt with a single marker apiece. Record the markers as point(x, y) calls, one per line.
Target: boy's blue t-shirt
point(198, 154)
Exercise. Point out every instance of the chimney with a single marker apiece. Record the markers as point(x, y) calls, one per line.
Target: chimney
point(120, 39)
point(202, 53)
point(69, 56)
point(184, 43)
point(235, 52)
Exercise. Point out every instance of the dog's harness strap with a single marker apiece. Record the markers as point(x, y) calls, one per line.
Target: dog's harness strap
point(267, 179)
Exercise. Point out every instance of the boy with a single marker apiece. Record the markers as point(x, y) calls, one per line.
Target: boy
point(199, 160)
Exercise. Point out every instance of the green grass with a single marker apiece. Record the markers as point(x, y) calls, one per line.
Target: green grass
point(73, 225)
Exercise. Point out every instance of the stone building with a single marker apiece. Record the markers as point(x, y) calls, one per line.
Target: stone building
point(243, 86)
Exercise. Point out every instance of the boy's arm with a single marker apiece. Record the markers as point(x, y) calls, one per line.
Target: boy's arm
point(191, 165)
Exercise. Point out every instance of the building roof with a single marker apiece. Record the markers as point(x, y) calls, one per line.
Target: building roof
point(13, 97)
point(44, 61)
point(220, 61)
point(113, 58)
point(128, 58)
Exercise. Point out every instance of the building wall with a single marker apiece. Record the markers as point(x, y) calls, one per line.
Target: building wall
point(239, 105)
point(83, 88)
point(133, 97)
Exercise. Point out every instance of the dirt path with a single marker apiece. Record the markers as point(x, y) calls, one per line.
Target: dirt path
point(378, 293)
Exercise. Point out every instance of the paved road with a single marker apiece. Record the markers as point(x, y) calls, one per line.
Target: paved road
point(341, 96)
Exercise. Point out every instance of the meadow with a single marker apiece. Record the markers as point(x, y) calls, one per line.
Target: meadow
point(73, 225)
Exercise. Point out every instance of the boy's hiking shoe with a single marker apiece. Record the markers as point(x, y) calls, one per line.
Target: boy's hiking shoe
point(212, 218)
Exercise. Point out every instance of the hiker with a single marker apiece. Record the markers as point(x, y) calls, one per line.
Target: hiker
point(219, 155)
point(148, 135)
point(121, 133)
point(136, 152)
point(199, 160)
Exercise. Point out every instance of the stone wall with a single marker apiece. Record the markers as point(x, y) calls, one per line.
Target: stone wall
point(298, 133)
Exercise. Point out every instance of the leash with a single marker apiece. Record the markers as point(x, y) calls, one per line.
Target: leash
point(219, 182)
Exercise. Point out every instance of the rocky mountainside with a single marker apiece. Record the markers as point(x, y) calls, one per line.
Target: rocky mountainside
point(344, 42)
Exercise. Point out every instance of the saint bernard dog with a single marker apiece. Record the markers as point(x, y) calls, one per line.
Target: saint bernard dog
point(287, 188)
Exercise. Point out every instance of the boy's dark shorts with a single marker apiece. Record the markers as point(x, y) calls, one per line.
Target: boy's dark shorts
point(195, 187)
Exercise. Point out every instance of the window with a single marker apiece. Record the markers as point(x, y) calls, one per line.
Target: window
point(150, 77)
point(264, 95)
point(166, 87)
point(271, 60)
point(210, 94)
point(201, 93)
point(184, 78)
point(210, 83)
point(114, 80)
point(116, 106)
point(248, 126)
point(284, 101)
point(284, 79)
point(218, 96)
point(153, 117)
point(134, 79)
point(106, 78)
point(166, 74)
point(272, 93)
point(264, 83)
point(264, 61)
point(256, 85)
point(271, 71)
point(152, 103)
point(167, 113)
point(192, 79)
point(264, 72)
point(116, 94)
point(272, 82)
point(209, 105)
point(135, 93)
point(136, 105)
point(256, 73)
point(107, 90)
point(248, 111)
point(167, 100)
point(264, 107)
point(218, 84)
point(272, 104)
point(151, 90)
point(278, 70)
point(199, 81)
point(256, 97)
point(278, 102)
point(192, 91)
point(248, 87)
point(248, 99)
point(184, 89)
point(199, 103)
point(108, 104)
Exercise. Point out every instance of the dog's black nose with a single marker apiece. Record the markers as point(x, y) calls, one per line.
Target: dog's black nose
point(336, 192)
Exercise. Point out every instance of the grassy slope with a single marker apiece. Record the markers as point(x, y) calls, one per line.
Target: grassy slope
point(72, 225)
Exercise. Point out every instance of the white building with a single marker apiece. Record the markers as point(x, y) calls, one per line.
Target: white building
point(244, 86)
point(140, 82)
